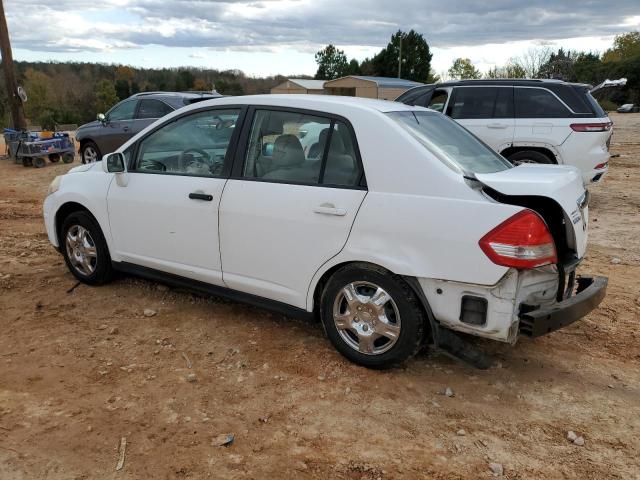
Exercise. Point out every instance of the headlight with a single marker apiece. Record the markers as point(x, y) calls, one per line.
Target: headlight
point(55, 185)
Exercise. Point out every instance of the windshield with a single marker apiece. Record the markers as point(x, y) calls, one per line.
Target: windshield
point(451, 143)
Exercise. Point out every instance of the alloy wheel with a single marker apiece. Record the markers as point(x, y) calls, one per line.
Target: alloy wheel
point(81, 250)
point(89, 154)
point(367, 318)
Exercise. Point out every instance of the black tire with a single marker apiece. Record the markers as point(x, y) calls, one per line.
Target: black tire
point(102, 271)
point(529, 156)
point(27, 162)
point(39, 162)
point(54, 157)
point(412, 318)
point(87, 148)
point(68, 157)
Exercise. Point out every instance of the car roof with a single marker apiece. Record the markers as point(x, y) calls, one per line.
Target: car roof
point(311, 102)
point(525, 82)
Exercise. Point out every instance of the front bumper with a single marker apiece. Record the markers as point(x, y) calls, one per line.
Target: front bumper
point(590, 292)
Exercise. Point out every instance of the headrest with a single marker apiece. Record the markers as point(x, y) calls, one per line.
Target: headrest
point(287, 152)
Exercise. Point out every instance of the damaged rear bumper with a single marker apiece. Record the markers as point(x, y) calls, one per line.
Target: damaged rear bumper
point(590, 292)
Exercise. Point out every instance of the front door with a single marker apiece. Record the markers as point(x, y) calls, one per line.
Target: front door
point(117, 128)
point(165, 214)
point(286, 212)
point(486, 111)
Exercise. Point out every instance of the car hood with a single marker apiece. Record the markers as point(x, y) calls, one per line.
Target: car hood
point(558, 182)
point(95, 123)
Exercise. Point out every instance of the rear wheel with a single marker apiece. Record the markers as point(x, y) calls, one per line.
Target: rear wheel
point(54, 157)
point(529, 156)
point(68, 157)
point(27, 161)
point(90, 152)
point(38, 162)
point(372, 316)
point(85, 249)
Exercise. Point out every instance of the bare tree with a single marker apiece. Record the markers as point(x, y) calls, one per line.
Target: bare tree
point(531, 61)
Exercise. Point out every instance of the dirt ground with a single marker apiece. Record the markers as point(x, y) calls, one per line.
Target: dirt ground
point(81, 369)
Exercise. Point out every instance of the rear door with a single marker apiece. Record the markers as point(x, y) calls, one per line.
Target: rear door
point(541, 117)
point(283, 213)
point(486, 111)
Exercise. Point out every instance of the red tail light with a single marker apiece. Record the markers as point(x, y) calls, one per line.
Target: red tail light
point(522, 241)
point(591, 127)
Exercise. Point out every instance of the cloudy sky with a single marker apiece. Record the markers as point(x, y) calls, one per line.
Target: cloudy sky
point(264, 37)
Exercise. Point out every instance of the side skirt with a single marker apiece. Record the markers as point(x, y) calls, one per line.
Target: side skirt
point(207, 289)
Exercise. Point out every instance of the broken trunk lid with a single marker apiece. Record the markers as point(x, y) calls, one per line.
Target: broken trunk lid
point(563, 184)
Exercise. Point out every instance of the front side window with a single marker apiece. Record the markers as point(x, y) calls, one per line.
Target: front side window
point(295, 147)
point(450, 142)
point(438, 100)
point(123, 111)
point(538, 103)
point(196, 144)
point(150, 108)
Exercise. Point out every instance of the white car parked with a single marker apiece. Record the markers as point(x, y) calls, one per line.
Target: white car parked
point(405, 227)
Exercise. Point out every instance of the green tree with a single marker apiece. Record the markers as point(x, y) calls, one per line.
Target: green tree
point(39, 107)
point(559, 65)
point(587, 68)
point(123, 89)
point(332, 63)
point(353, 68)
point(462, 69)
point(413, 52)
point(184, 81)
point(106, 96)
point(625, 46)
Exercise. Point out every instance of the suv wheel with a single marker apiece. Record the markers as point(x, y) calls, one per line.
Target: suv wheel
point(528, 156)
point(372, 316)
point(85, 249)
point(90, 153)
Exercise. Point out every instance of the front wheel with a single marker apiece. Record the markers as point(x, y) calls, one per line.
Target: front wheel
point(90, 153)
point(85, 249)
point(372, 316)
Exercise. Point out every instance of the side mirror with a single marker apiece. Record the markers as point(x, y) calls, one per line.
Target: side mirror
point(113, 163)
point(101, 118)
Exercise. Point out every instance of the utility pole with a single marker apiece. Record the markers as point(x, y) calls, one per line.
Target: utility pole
point(15, 103)
point(399, 56)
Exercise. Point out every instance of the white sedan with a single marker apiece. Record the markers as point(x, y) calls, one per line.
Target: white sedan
point(400, 226)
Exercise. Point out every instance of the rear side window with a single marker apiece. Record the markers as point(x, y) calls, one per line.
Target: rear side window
point(295, 147)
point(150, 108)
point(538, 103)
point(481, 102)
point(438, 100)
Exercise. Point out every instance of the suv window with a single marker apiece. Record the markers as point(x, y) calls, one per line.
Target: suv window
point(481, 102)
point(196, 145)
point(438, 100)
point(150, 108)
point(538, 103)
point(123, 111)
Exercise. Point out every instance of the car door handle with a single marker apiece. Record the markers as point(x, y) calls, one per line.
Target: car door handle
point(328, 209)
point(125, 128)
point(200, 196)
point(497, 125)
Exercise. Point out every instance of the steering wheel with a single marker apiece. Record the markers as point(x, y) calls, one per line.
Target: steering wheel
point(186, 163)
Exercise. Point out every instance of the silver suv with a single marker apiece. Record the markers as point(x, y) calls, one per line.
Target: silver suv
point(109, 131)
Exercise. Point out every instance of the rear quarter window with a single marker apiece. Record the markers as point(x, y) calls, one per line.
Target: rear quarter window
point(538, 103)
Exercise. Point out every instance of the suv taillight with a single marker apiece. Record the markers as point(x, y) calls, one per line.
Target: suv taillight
point(591, 127)
point(521, 241)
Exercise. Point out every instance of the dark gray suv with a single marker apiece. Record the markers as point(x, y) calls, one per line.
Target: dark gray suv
point(130, 116)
